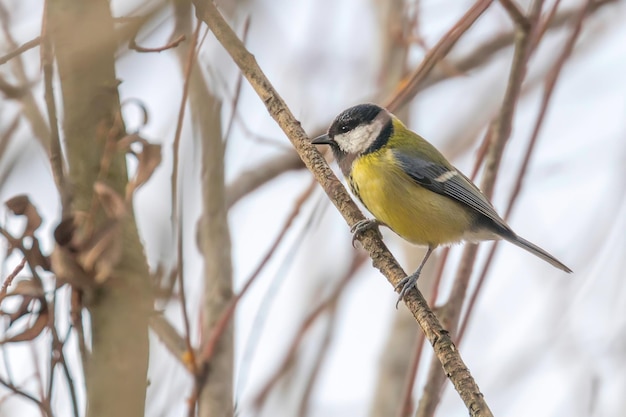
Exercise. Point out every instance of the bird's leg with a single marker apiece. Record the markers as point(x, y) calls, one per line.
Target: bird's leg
point(363, 225)
point(410, 281)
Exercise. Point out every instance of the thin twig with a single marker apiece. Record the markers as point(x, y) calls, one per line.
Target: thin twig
point(7, 282)
point(235, 102)
point(20, 50)
point(406, 404)
point(30, 107)
point(70, 384)
point(132, 44)
point(516, 14)
point(499, 133)
point(220, 325)
point(267, 171)
point(550, 84)
point(504, 123)
point(179, 124)
point(26, 395)
point(440, 50)
point(357, 261)
point(169, 336)
point(253, 178)
point(549, 19)
point(76, 314)
point(183, 303)
point(55, 152)
point(318, 362)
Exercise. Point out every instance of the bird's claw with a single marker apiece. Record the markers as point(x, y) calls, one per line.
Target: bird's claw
point(363, 225)
point(405, 285)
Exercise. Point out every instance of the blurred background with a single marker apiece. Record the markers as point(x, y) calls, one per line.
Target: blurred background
point(317, 332)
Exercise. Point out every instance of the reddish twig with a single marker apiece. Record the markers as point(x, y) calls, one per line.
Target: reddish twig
point(515, 13)
point(7, 282)
point(179, 124)
point(440, 50)
point(545, 101)
point(406, 404)
point(407, 396)
point(42, 407)
point(190, 361)
point(357, 260)
point(76, 315)
point(318, 361)
point(216, 332)
point(132, 44)
point(499, 131)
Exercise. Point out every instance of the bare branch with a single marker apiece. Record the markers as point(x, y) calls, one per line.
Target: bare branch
point(132, 44)
point(255, 177)
point(55, 151)
point(7, 282)
point(20, 50)
point(172, 340)
point(357, 261)
point(44, 409)
point(516, 14)
point(550, 83)
point(382, 259)
point(441, 49)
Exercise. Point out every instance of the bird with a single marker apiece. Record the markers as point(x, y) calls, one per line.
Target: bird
point(411, 188)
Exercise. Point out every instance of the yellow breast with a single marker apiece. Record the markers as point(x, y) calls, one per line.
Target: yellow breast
point(416, 214)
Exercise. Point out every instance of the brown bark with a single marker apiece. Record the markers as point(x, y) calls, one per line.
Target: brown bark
point(83, 37)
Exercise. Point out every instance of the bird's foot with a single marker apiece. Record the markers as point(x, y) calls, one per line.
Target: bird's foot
point(363, 225)
point(406, 284)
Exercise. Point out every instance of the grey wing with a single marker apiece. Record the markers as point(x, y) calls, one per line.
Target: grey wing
point(448, 182)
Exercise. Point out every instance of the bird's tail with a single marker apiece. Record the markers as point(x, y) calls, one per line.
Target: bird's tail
point(536, 250)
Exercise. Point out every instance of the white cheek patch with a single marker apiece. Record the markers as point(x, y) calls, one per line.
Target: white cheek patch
point(361, 137)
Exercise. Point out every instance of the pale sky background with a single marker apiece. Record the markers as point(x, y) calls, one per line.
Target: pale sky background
point(540, 343)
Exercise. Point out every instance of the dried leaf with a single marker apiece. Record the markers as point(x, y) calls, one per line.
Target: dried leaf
point(26, 288)
point(103, 252)
point(123, 145)
point(113, 205)
point(41, 322)
point(67, 270)
point(30, 292)
point(64, 232)
point(149, 159)
point(21, 206)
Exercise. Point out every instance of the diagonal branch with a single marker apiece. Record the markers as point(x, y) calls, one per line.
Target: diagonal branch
point(20, 50)
point(445, 350)
point(441, 49)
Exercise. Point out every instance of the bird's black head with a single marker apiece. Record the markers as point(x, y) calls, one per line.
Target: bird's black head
point(349, 119)
point(358, 130)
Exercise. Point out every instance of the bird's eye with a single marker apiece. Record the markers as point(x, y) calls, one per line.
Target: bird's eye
point(344, 128)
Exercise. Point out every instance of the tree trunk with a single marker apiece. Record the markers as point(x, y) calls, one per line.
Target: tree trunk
point(83, 37)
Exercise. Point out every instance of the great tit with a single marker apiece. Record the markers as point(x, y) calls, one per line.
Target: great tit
point(410, 187)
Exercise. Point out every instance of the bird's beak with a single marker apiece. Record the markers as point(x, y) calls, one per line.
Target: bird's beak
point(322, 140)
